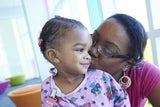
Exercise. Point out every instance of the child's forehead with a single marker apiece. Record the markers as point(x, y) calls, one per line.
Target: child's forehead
point(78, 33)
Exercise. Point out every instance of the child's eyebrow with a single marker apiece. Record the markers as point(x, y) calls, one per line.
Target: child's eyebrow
point(78, 44)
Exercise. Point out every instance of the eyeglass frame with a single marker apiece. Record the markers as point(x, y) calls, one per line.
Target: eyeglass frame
point(100, 50)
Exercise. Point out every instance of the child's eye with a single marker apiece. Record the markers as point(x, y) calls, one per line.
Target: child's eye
point(80, 49)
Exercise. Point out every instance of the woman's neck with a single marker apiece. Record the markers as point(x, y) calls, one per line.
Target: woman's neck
point(117, 75)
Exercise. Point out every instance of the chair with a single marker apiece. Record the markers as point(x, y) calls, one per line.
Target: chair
point(16, 79)
point(27, 96)
point(3, 86)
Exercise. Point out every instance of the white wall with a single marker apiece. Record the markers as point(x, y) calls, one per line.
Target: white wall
point(36, 16)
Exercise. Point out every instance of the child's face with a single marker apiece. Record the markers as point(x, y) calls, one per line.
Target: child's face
point(73, 52)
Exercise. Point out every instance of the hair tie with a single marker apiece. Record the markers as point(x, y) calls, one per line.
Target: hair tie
point(40, 41)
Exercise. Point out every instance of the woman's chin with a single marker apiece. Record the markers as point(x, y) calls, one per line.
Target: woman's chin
point(92, 66)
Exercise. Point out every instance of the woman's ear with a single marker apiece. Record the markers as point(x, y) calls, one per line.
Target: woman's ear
point(51, 55)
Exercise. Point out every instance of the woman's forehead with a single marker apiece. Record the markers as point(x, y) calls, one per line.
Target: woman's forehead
point(112, 31)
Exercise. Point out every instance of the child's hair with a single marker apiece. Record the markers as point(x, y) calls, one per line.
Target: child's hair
point(54, 29)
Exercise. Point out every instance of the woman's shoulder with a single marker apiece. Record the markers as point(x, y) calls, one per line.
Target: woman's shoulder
point(144, 76)
point(144, 66)
point(147, 64)
point(144, 71)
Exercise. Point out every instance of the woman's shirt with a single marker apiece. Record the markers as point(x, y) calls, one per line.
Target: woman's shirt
point(145, 77)
point(98, 89)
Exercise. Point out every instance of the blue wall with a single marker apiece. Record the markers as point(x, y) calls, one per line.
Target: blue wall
point(95, 13)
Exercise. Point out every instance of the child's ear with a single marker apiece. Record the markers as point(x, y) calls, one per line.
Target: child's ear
point(51, 55)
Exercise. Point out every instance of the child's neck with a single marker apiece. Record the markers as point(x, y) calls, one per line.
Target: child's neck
point(68, 84)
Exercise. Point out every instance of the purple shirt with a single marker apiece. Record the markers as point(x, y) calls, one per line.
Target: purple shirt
point(98, 89)
point(145, 77)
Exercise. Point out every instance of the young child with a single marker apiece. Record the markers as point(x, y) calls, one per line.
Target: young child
point(65, 44)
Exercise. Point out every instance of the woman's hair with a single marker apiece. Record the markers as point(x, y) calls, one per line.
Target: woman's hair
point(137, 35)
point(54, 30)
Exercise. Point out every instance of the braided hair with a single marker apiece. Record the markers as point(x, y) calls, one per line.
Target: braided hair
point(55, 29)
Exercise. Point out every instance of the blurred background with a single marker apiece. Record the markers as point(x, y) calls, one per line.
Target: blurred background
point(21, 22)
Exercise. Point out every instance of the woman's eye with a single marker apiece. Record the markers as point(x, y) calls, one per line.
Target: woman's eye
point(93, 43)
point(105, 51)
point(94, 40)
point(108, 52)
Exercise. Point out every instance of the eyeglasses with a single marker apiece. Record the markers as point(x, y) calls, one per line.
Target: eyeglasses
point(107, 53)
point(103, 51)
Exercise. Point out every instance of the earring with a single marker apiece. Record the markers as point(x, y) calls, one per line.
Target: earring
point(125, 81)
point(53, 71)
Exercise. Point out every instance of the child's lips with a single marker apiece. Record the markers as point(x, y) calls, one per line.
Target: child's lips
point(86, 65)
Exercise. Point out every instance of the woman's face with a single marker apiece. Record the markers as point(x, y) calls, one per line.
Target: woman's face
point(110, 46)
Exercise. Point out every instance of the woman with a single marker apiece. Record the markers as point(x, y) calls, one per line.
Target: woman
point(118, 46)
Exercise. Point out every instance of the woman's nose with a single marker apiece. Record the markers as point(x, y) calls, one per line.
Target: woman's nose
point(93, 52)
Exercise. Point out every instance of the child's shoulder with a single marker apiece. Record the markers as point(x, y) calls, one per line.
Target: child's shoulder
point(48, 80)
point(97, 72)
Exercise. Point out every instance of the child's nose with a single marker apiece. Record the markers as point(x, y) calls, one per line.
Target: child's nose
point(87, 56)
